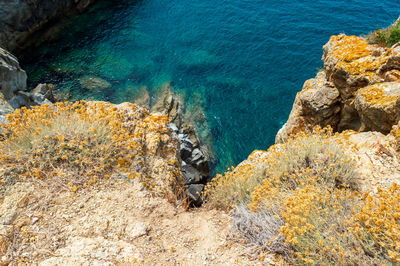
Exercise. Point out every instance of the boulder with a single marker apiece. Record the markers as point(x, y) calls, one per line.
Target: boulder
point(12, 77)
point(351, 63)
point(317, 104)
point(94, 84)
point(5, 107)
point(357, 90)
point(194, 193)
point(47, 90)
point(192, 175)
point(378, 106)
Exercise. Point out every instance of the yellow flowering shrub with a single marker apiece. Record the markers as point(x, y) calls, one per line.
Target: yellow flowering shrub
point(376, 224)
point(325, 220)
point(79, 142)
point(235, 186)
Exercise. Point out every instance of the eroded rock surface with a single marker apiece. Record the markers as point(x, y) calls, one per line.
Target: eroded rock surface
point(358, 90)
point(193, 158)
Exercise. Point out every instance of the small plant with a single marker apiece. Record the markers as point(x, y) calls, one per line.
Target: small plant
point(386, 37)
point(234, 187)
point(394, 36)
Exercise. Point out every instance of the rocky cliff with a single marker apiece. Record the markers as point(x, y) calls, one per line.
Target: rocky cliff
point(358, 89)
point(19, 19)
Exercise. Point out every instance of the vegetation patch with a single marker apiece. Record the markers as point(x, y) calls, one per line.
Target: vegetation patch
point(75, 144)
point(306, 205)
point(386, 37)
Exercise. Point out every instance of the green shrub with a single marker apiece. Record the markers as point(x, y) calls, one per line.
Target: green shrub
point(394, 36)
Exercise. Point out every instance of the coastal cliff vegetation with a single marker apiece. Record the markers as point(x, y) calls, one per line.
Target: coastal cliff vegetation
point(91, 182)
point(301, 199)
point(387, 36)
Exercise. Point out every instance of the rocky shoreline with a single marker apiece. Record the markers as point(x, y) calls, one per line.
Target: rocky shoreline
point(20, 19)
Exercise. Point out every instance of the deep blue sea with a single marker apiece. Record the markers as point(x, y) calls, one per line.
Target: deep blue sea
point(241, 61)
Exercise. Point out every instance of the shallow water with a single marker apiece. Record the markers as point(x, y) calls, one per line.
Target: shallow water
point(241, 61)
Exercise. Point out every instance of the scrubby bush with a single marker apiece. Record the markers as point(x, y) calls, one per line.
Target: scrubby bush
point(307, 204)
point(76, 143)
point(234, 187)
point(315, 153)
point(394, 36)
point(386, 37)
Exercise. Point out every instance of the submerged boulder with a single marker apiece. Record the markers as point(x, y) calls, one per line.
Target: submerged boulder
point(93, 83)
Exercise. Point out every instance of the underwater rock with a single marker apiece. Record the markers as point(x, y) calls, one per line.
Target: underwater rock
point(199, 58)
point(111, 67)
point(169, 104)
point(94, 84)
point(143, 97)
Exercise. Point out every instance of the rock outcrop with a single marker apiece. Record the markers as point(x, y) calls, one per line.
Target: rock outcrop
point(193, 160)
point(13, 87)
point(358, 90)
point(20, 18)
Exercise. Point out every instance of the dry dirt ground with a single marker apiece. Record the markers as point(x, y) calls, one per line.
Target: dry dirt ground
point(113, 222)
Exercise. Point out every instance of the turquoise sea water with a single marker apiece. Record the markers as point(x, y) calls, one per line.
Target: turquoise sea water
point(241, 61)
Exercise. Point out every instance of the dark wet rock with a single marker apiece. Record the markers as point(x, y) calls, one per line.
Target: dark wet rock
point(46, 90)
point(194, 193)
point(200, 161)
point(143, 97)
point(20, 18)
point(185, 149)
point(192, 175)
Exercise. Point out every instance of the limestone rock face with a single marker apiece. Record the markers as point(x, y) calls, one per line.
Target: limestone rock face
point(317, 104)
point(376, 158)
point(378, 106)
point(20, 18)
point(12, 77)
point(358, 90)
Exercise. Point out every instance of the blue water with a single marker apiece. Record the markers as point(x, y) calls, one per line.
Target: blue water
point(241, 61)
